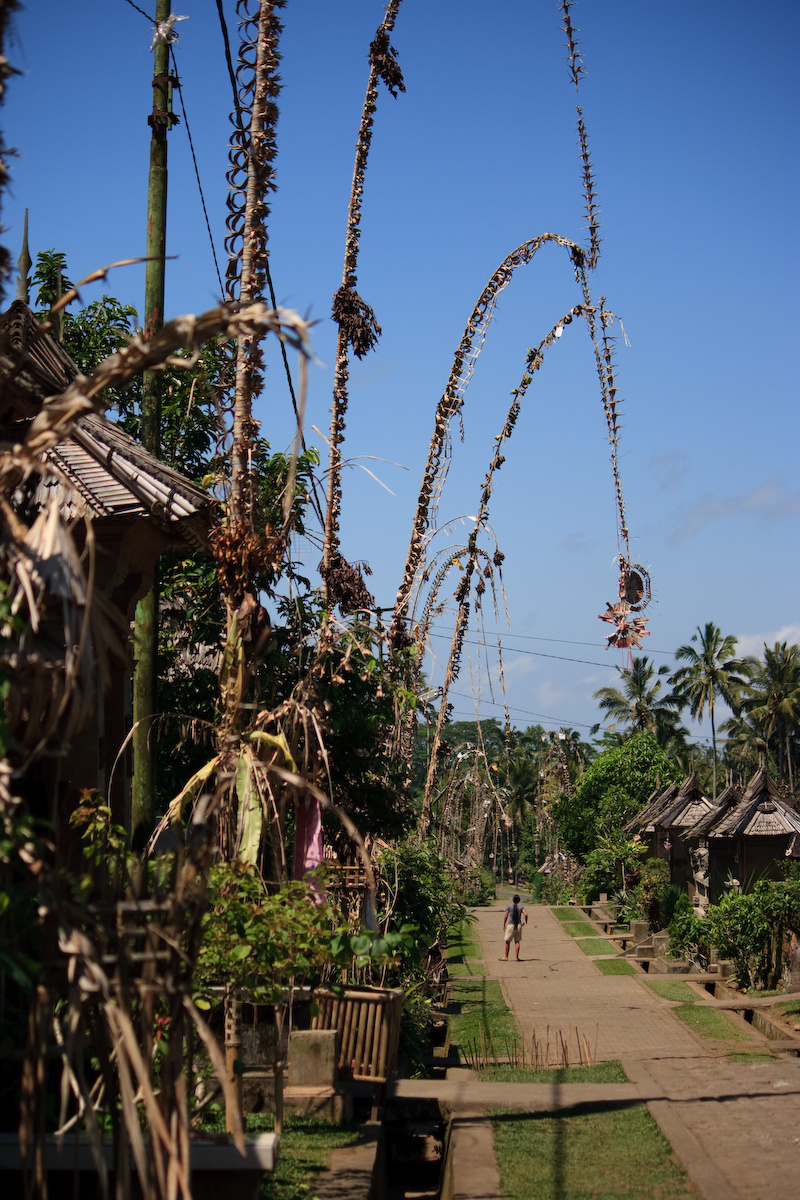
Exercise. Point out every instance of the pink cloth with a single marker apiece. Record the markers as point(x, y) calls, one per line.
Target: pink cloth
point(308, 842)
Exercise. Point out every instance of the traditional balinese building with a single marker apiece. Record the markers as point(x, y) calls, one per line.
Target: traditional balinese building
point(747, 837)
point(701, 886)
point(644, 823)
point(89, 529)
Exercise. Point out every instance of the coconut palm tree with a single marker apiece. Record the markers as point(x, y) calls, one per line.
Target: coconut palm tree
point(640, 704)
point(773, 702)
point(712, 672)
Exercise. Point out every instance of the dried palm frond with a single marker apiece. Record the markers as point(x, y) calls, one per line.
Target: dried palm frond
point(358, 327)
point(67, 633)
point(450, 405)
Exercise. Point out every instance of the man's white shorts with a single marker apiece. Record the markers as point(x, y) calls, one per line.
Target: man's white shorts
point(513, 933)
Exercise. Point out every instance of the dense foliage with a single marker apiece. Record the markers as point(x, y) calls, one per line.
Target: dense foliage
point(613, 788)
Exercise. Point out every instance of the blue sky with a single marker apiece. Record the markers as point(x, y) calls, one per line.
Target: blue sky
point(692, 115)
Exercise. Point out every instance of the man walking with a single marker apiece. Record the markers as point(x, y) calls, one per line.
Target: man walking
point(512, 926)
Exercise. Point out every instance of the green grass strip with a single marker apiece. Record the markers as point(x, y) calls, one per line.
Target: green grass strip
point(616, 966)
point(597, 946)
point(789, 1007)
point(754, 1056)
point(673, 989)
point(708, 1022)
point(580, 929)
point(605, 1072)
point(478, 1004)
point(306, 1145)
point(569, 914)
point(602, 1153)
point(467, 969)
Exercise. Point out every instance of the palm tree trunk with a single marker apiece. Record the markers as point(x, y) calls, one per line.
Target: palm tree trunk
point(713, 743)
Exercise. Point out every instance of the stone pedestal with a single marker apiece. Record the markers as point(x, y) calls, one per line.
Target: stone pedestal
point(313, 1080)
point(639, 931)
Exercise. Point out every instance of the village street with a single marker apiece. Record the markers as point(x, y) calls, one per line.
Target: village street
point(734, 1126)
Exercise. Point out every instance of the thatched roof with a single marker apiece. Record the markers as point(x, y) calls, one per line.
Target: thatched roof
point(99, 466)
point(686, 808)
point(762, 812)
point(726, 800)
point(644, 821)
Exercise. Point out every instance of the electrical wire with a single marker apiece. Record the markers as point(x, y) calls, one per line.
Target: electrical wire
point(529, 637)
point(196, 170)
point(536, 653)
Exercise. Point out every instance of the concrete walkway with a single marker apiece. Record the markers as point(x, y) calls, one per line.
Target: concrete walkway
point(735, 1127)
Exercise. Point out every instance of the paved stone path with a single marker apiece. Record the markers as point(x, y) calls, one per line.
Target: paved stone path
point(735, 1127)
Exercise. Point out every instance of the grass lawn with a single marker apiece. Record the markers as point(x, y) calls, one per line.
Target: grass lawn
point(605, 1072)
point(305, 1147)
point(616, 966)
point(599, 1152)
point(597, 945)
point(673, 989)
point(569, 914)
point(790, 1008)
point(708, 1022)
point(478, 1004)
point(462, 943)
point(468, 968)
point(753, 1056)
point(580, 929)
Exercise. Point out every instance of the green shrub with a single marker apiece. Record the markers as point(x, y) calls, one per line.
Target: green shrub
point(645, 895)
point(687, 932)
point(480, 888)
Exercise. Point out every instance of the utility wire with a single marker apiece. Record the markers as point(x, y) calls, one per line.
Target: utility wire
point(696, 737)
point(143, 13)
point(537, 653)
point(196, 170)
point(529, 637)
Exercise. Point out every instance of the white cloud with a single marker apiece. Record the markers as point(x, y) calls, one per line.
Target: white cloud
point(771, 500)
point(753, 643)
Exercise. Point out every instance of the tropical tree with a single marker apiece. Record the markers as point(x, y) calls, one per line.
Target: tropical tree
point(772, 703)
point(521, 782)
point(712, 672)
point(613, 789)
point(640, 704)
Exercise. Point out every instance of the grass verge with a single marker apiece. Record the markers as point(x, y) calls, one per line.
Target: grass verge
point(580, 929)
point(569, 914)
point(597, 945)
point(708, 1022)
point(477, 1004)
point(306, 1145)
point(789, 1008)
point(752, 1056)
point(616, 966)
point(673, 989)
point(605, 1072)
point(603, 1152)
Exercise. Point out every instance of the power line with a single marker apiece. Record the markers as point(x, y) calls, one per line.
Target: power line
point(541, 653)
point(197, 171)
point(529, 637)
point(554, 720)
